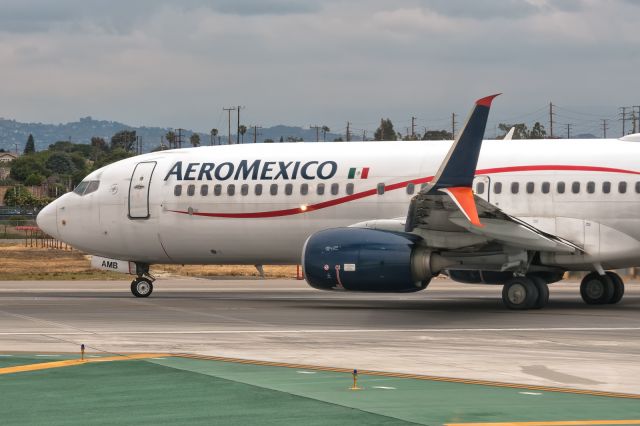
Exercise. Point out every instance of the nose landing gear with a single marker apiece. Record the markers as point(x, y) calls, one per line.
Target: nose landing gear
point(142, 285)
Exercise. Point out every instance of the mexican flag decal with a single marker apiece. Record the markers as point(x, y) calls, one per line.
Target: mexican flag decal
point(358, 173)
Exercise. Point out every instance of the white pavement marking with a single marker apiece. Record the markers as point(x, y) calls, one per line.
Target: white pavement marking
point(49, 355)
point(307, 372)
point(320, 331)
point(530, 393)
point(386, 387)
point(5, 355)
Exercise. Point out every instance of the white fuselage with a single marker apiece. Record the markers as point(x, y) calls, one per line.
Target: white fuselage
point(598, 210)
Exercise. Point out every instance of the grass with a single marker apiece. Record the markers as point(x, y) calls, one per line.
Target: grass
point(18, 263)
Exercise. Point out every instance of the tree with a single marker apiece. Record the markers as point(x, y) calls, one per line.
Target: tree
point(30, 147)
point(113, 156)
point(281, 139)
point(99, 143)
point(537, 131)
point(437, 135)
point(61, 163)
point(19, 196)
point(385, 132)
point(242, 129)
point(34, 179)
point(214, 133)
point(325, 130)
point(195, 140)
point(23, 166)
point(338, 139)
point(124, 139)
point(268, 141)
point(171, 138)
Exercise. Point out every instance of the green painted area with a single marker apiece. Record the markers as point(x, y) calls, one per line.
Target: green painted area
point(191, 391)
point(11, 360)
point(143, 393)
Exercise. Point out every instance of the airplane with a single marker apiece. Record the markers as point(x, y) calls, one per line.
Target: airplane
point(372, 216)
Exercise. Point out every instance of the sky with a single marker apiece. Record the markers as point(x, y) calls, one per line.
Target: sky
point(307, 62)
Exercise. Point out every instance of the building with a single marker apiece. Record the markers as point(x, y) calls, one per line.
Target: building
point(5, 157)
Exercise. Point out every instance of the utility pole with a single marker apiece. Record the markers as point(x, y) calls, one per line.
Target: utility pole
point(453, 125)
point(413, 127)
point(255, 133)
point(348, 132)
point(569, 130)
point(605, 126)
point(624, 119)
point(317, 131)
point(637, 116)
point(238, 131)
point(229, 111)
point(364, 135)
point(551, 114)
point(180, 137)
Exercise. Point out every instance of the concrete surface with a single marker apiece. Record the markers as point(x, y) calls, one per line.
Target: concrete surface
point(449, 330)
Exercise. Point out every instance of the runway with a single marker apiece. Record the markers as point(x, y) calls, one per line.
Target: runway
point(448, 330)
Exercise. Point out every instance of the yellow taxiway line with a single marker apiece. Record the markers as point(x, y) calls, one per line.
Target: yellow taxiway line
point(72, 362)
point(425, 377)
point(554, 423)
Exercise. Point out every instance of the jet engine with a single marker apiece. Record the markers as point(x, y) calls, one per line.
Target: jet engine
point(359, 259)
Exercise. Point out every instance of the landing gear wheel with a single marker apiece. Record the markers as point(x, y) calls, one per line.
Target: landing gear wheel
point(543, 292)
point(520, 293)
point(596, 289)
point(141, 287)
point(618, 287)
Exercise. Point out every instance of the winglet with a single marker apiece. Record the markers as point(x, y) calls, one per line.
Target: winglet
point(459, 166)
point(463, 197)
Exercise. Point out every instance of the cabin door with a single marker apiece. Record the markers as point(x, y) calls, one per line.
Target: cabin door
point(482, 187)
point(139, 190)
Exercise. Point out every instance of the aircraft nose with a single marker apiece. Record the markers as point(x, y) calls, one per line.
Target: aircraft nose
point(47, 220)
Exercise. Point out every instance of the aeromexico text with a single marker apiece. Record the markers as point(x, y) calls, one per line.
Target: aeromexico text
point(254, 170)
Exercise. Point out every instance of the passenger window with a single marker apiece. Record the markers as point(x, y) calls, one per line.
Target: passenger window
point(530, 187)
point(320, 189)
point(411, 188)
point(217, 189)
point(637, 187)
point(497, 187)
point(244, 189)
point(258, 189)
point(335, 188)
point(480, 188)
point(304, 189)
point(606, 187)
point(273, 189)
point(349, 188)
point(191, 190)
point(622, 187)
point(204, 190)
point(423, 186)
point(288, 189)
point(546, 186)
point(380, 188)
point(575, 187)
point(231, 189)
point(515, 187)
point(92, 187)
point(560, 187)
point(591, 187)
point(177, 190)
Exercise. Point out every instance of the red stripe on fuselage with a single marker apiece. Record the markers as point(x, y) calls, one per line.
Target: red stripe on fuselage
point(399, 185)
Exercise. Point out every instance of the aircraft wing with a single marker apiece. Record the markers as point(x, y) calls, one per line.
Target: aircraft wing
point(446, 214)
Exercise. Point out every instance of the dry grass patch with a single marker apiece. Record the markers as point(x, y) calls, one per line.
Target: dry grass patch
point(18, 262)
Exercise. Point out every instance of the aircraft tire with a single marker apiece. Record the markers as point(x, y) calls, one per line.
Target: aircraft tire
point(543, 292)
point(520, 293)
point(618, 287)
point(597, 289)
point(141, 287)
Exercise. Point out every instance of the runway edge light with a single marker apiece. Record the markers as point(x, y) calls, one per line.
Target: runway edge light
point(82, 352)
point(355, 380)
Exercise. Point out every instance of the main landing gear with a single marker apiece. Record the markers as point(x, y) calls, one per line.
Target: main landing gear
point(597, 289)
point(530, 292)
point(142, 285)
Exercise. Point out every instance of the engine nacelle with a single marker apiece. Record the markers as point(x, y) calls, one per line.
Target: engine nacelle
point(358, 259)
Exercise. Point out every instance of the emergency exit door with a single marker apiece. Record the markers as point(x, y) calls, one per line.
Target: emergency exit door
point(139, 190)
